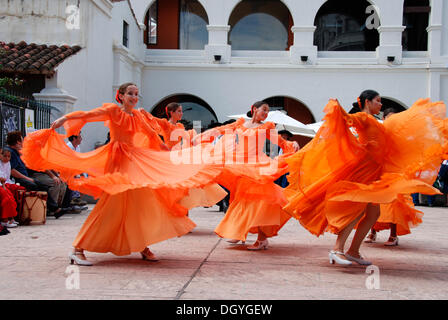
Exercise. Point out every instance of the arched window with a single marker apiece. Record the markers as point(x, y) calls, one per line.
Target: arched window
point(151, 17)
point(193, 32)
point(194, 109)
point(416, 20)
point(390, 103)
point(176, 24)
point(344, 26)
point(260, 25)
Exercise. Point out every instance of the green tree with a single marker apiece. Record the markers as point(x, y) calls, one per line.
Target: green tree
point(7, 81)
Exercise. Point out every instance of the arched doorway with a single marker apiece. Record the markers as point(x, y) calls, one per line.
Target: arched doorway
point(194, 109)
point(343, 26)
point(392, 104)
point(260, 25)
point(295, 109)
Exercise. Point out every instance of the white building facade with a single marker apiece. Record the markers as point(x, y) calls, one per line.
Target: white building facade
point(217, 57)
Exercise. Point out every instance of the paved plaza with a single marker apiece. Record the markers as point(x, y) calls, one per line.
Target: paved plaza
point(200, 265)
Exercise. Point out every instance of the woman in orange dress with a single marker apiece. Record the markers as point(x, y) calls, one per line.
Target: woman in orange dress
point(409, 207)
point(139, 189)
point(338, 181)
point(176, 137)
point(255, 200)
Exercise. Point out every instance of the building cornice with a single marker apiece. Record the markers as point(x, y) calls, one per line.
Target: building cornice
point(218, 28)
point(303, 29)
point(424, 67)
point(127, 55)
point(391, 28)
point(105, 6)
point(434, 27)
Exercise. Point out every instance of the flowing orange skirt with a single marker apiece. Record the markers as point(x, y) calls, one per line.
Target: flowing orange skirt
point(253, 207)
point(129, 222)
point(139, 190)
point(334, 177)
point(402, 213)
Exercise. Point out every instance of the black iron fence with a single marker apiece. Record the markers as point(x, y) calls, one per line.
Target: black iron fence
point(22, 113)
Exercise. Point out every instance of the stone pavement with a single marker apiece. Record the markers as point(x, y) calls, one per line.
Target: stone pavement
point(200, 265)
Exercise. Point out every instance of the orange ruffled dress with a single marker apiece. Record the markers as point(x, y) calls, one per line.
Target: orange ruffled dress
point(139, 189)
point(176, 137)
point(336, 175)
point(249, 174)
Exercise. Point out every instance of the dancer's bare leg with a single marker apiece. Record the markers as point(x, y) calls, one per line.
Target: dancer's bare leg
point(393, 230)
point(372, 215)
point(343, 235)
point(261, 241)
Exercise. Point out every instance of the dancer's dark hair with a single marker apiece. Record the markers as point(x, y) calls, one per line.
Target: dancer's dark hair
point(256, 105)
point(122, 90)
point(171, 107)
point(359, 105)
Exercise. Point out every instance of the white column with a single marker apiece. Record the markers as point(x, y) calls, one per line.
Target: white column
point(57, 97)
point(390, 44)
point(303, 47)
point(434, 85)
point(218, 50)
point(435, 31)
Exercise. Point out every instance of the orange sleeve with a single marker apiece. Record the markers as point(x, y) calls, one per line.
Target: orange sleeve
point(210, 135)
point(356, 120)
point(151, 138)
point(154, 122)
point(76, 120)
point(273, 136)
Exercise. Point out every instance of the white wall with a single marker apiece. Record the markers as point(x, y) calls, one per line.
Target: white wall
point(95, 72)
point(233, 86)
point(128, 61)
point(39, 21)
point(88, 75)
point(445, 29)
point(232, 91)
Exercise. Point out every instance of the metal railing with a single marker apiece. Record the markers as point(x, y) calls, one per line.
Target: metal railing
point(14, 110)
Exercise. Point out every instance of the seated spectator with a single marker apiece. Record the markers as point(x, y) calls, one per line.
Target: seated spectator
point(75, 196)
point(56, 188)
point(3, 230)
point(21, 175)
point(8, 205)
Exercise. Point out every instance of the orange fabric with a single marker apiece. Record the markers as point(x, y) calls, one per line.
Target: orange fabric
point(128, 222)
point(400, 212)
point(249, 174)
point(253, 205)
point(336, 175)
point(133, 183)
point(174, 135)
point(203, 197)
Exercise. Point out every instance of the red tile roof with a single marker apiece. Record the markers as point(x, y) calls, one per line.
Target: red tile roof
point(32, 58)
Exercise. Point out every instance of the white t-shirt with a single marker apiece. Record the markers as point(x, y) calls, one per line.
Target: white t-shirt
point(70, 145)
point(5, 171)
